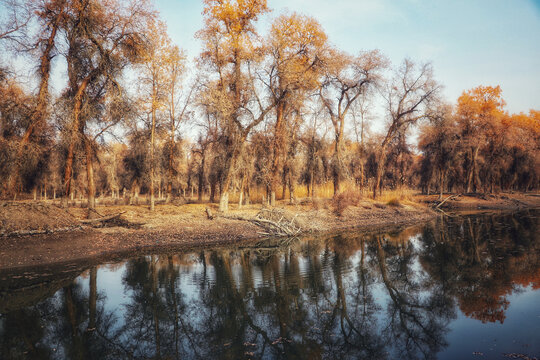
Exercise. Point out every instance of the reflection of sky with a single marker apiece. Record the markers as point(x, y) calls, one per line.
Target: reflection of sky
point(519, 333)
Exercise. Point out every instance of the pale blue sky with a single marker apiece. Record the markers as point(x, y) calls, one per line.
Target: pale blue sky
point(469, 42)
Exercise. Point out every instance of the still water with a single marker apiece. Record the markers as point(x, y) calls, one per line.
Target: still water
point(464, 287)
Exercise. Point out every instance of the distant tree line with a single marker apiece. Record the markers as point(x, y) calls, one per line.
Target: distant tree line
point(272, 112)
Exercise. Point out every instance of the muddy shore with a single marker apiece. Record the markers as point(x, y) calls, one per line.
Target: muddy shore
point(185, 227)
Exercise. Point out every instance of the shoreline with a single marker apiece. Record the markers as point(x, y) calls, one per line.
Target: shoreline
point(186, 227)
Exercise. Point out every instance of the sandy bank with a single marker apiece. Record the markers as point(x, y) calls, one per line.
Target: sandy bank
point(187, 226)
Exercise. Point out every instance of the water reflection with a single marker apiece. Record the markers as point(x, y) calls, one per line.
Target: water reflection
point(353, 296)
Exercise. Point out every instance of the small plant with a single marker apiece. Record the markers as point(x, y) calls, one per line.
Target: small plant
point(343, 200)
point(316, 204)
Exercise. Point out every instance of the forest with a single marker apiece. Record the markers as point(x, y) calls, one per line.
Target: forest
point(256, 117)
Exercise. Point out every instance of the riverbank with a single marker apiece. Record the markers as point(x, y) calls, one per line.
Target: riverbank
point(188, 226)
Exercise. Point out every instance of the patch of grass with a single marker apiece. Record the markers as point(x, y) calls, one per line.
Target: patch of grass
point(399, 194)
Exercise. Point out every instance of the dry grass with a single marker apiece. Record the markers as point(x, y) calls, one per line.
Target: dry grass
point(323, 191)
point(403, 194)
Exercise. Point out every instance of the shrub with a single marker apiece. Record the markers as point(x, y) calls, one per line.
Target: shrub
point(394, 202)
point(343, 200)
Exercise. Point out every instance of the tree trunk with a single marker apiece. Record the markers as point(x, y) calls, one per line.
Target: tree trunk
point(241, 196)
point(377, 186)
point(224, 201)
point(170, 176)
point(90, 176)
point(247, 201)
point(362, 179)
point(152, 146)
point(284, 183)
point(441, 183)
point(134, 193)
point(292, 198)
point(75, 130)
point(337, 164)
point(200, 190)
point(472, 173)
point(277, 149)
point(240, 199)
point(213, 186)
point(312, 182)
point(230, 163)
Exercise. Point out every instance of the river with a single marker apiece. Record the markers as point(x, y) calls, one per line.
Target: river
point(460, 287)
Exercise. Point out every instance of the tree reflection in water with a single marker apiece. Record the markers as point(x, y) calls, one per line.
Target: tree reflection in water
point(350, 296)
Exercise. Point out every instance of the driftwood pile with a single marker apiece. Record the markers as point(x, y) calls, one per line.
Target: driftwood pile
point(277, 222)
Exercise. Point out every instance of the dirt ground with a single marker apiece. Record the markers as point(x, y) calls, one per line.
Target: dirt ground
point(187, 226)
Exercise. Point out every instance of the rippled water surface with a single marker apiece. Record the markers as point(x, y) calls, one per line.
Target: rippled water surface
point(464, 287)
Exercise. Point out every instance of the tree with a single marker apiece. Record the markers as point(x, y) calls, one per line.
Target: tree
point(51, 16)
point(157, 56)
point(295, 48)
point(229, 47)
point(102, 41)
point(477, 109)
point(174, 67)
point(346, 79)
point(438, 141)
point(407, 97)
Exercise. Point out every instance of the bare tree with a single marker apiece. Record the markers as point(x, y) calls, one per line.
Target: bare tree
point(408, 97)
point(102, 41)
point(346, 79)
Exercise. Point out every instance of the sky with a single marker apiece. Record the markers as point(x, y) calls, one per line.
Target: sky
point(469, 42)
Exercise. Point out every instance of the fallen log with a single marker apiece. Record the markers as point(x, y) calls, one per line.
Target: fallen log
point(445, 200)
point(38, 232)
point(102, 219)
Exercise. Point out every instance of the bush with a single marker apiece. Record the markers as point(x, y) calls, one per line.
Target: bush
point(343, 200)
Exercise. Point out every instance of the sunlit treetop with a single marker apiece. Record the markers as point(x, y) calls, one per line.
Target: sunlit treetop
point(296, 44)
point(482, 101)
point(233, 21)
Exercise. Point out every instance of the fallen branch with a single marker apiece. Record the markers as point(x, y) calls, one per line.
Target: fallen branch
point(38, 232)
point(101, 219)
point(445, 200)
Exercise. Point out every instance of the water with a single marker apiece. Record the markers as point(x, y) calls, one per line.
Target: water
point(465, 287)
